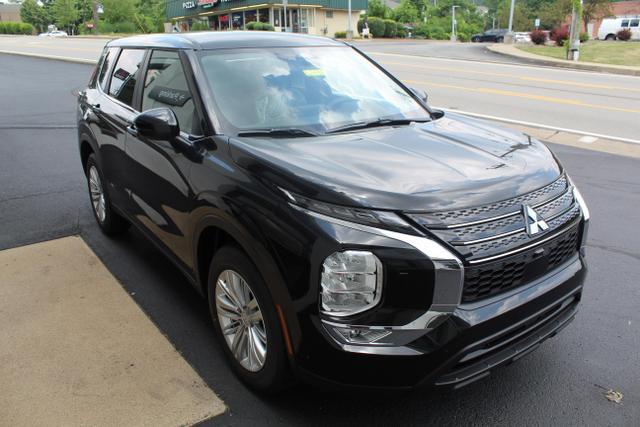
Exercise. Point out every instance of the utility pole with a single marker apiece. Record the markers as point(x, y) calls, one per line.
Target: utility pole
point(573, 54)
point(511, 15)
point(95, 17)
point(350, 27)
point(453, 23)
point(284, 4)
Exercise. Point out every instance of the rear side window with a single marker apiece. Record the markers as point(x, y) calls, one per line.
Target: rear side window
point(109, 57)
point(634, 22)
point(165, 86)
point(125, 74)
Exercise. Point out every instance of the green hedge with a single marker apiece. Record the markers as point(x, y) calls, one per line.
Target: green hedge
point(259, 26)
point(390, 28)
point(341, 35)
point(15, 28)
point(199, 26)
point(376, 26)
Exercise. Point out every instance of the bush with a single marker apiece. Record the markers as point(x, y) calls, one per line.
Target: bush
point(201, 26)
point(259, 26)
point(584, 37)
point(538, 37)
point(15, 28)
point(120, 27)
point(401, 31)
point(376, 26)
point(559, 35)
point(431, 31)
point(624, 34)
point(341, 35)
point(390, 28)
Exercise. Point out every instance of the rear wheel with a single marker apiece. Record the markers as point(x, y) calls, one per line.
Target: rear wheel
point(246, 322)
point(109, 221)
point(500, 40)
point(610, 37)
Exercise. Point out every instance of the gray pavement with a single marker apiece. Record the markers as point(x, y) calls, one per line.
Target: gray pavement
point(43, 195)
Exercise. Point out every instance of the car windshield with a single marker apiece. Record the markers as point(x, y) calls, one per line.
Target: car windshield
point(312, 88)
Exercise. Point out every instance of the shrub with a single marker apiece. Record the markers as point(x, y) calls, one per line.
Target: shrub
point(15, 28)
point(200, 26)
point(341, 35)
point(376, 26)
point(584, 37)
point(538, 36)
point(624, 34)
point(559, 35)
point(401, 31)
point(251, 26)
point(390, 28)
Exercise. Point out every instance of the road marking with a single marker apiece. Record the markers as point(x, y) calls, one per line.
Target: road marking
point(510, 93)
point(512, 76)
point(539, 125)
point(503, 64)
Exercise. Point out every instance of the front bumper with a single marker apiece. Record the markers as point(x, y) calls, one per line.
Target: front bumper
point(467, 347)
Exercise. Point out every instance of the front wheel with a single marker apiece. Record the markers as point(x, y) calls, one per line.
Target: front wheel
point(246, 322)
point(109, 221)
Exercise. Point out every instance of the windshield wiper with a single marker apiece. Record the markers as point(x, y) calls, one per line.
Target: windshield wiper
point(375, 123)
point(277, 132)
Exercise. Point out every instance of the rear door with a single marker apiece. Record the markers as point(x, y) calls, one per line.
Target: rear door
point(157, 171)
point(115, 113)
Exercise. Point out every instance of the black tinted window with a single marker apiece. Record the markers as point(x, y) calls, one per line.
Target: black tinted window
point(625, 23)
point(125, 74)
point(109, 57)
point(166, 86)
point(634, 22)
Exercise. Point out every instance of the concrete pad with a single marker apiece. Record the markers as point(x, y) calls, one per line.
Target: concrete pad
point(75, 349)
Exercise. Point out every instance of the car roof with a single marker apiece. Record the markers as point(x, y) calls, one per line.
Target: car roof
point(223, 40)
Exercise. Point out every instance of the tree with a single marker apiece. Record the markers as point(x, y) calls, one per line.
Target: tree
point(378, 9)
point(35, 15)
point(406, 12)
point(593, 9)
point(118, 11)
point(65, 14)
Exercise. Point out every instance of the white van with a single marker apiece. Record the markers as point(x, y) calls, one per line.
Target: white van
point(610, 27)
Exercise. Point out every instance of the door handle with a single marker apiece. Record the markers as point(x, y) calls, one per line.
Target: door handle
point(132, 130)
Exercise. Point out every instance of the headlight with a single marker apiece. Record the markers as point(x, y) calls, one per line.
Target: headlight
point(374, 218)
point(351, 282)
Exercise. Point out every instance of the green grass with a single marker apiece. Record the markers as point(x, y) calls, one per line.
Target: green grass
point(617, 52)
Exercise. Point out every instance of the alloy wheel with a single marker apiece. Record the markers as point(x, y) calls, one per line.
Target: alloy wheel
point(97, 194)
point(241, 320)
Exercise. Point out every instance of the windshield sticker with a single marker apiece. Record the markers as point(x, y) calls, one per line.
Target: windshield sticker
point(170, 96)
point(314, 72)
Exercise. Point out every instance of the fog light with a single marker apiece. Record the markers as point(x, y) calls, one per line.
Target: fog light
point(361, 336)
point(351, 282)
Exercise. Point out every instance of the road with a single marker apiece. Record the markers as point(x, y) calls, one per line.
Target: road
point(43, 196)
point(465, 77)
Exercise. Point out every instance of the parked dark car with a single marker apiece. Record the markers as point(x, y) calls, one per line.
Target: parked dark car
point(495, 36)
point(341, 230)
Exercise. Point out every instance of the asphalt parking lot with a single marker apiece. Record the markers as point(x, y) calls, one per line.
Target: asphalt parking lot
point(43, 196)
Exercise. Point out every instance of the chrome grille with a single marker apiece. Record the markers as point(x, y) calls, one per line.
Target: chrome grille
point(492, 235)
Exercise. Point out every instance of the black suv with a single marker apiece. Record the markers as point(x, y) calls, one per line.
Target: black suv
point(496, 36)
point(341, 230)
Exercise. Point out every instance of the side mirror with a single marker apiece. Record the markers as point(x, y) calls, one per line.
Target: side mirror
point(158, 123)
point(420, 94)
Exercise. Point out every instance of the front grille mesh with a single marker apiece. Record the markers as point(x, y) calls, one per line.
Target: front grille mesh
point(487, 235)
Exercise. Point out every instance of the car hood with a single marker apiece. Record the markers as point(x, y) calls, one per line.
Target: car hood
point(449, 163)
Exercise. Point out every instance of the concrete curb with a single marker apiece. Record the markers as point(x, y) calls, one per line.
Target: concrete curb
point(55, 57)
point(511, 51)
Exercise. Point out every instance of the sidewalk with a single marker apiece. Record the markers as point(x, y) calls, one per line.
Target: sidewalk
point(511, 50)
point(77, 350)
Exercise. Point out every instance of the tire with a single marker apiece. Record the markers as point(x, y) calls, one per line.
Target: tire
point(500, 40)
point(273, 375)
point(475, 40)
point(610, 37)
point(109, 221)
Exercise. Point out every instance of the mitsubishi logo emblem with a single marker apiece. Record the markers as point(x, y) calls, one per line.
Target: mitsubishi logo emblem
point(533, 222)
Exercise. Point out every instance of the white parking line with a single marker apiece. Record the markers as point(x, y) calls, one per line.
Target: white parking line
point(539, 125)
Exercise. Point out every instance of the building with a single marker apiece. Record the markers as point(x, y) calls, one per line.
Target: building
point(10, 12)
point(319, 17)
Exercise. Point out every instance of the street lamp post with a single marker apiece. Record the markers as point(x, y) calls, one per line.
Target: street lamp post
point(453, 23)
point(350, 28)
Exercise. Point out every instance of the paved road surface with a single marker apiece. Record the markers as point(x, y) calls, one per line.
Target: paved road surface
point(586, 101)
point(43, 195)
